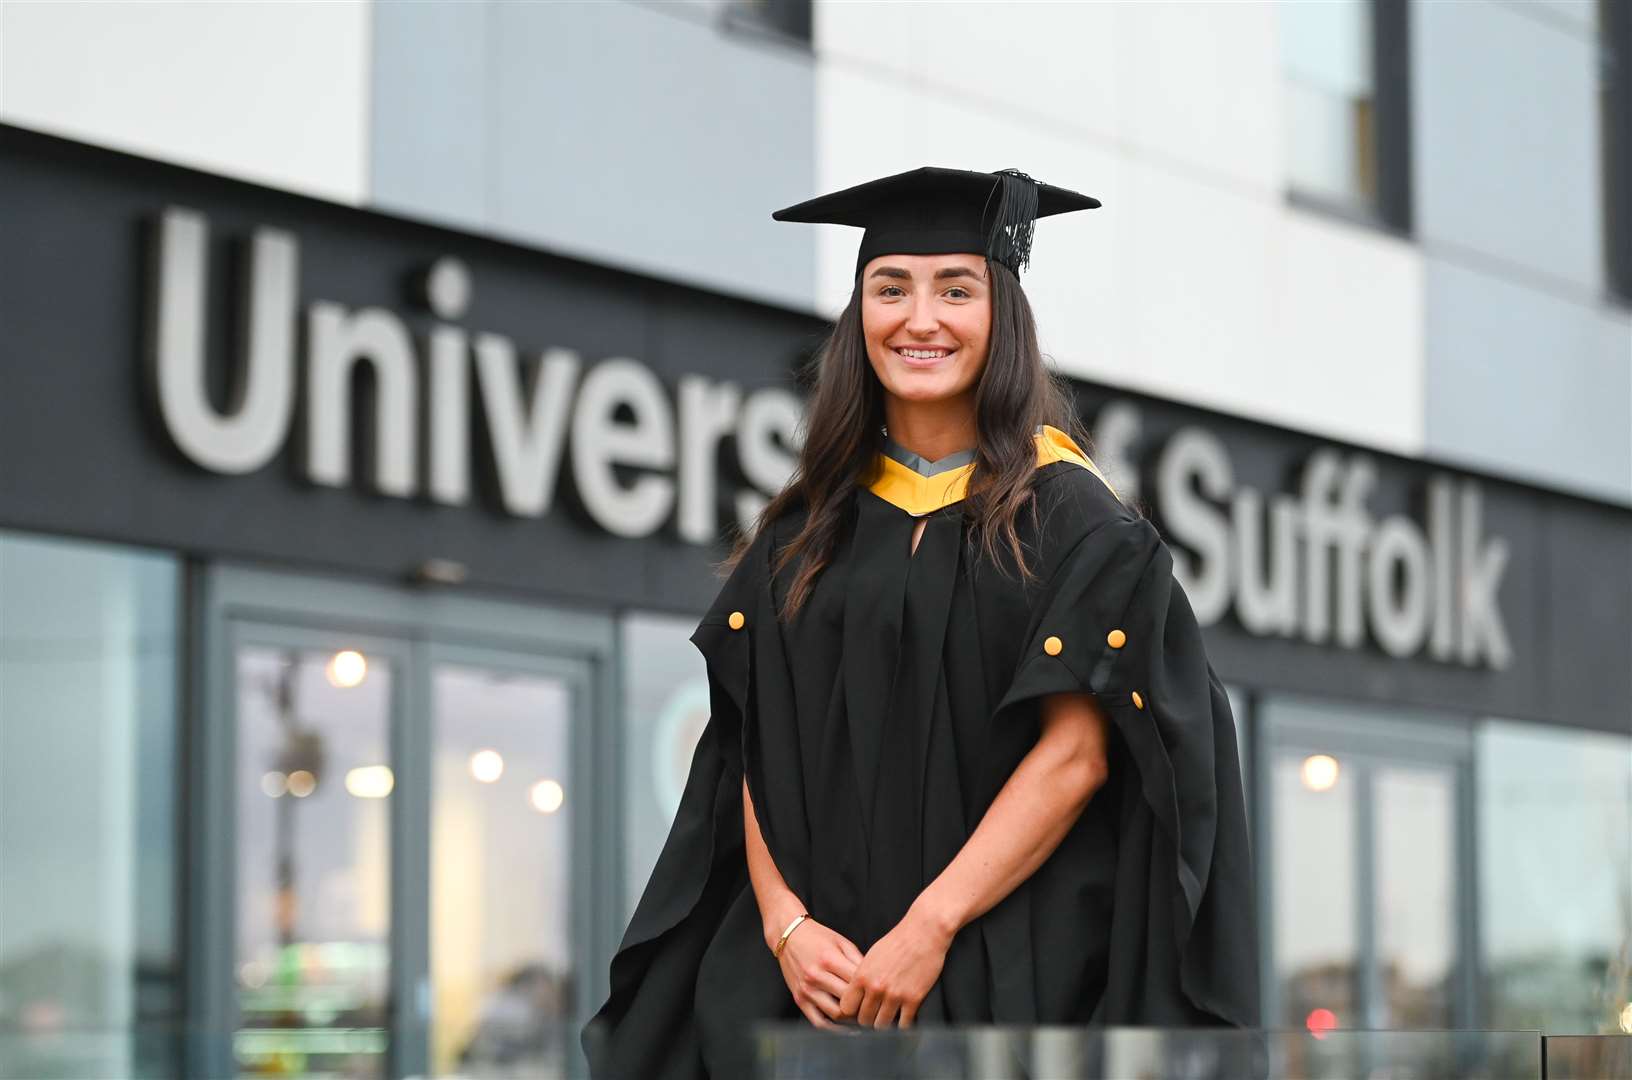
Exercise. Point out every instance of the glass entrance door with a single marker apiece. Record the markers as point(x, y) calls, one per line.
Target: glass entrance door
point(313, 780)
point(1365, 848)
point(393, 798)
point(503, 797)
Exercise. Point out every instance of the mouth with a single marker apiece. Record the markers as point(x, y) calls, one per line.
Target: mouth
point(929, 357)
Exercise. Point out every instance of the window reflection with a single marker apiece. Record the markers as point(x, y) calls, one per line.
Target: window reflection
point(503, 798)
point(665, 694)
point(1316, 948)
point(314, 850)
point(1326, 50)
point(1555, 860)
point(1416, 894)
point(89, 639)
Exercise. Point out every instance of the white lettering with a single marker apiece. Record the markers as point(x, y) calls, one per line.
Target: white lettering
point(1266, 600)
point(1482, 630)
point(1399, 623)
point(769, 434)
point(261, 400)
point(708, 413)
point(600, 441)
point(339, 339)
point(1194, 458)
point(1280, 567)
point(527, 431)
point(1442, 543)
point(529, 426)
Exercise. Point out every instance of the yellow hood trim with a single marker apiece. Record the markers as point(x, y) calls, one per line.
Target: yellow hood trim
point(918, 494)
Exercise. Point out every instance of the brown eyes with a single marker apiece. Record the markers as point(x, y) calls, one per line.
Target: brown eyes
point(958, 288)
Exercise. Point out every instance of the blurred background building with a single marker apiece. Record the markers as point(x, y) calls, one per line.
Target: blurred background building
point(376, 379)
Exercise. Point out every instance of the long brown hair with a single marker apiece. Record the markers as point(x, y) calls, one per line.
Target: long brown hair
point(845, 413)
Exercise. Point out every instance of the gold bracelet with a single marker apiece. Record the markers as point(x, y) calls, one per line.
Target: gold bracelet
point(783, 940)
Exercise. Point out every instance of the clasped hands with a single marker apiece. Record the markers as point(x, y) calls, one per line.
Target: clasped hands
point(835, 985)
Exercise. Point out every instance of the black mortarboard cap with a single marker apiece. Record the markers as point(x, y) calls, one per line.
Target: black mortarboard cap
point(935, 211)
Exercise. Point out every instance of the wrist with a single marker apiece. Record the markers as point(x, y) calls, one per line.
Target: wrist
point(778, 915)
point(940, 916)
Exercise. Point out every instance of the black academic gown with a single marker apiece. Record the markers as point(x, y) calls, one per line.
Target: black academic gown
point(877, 727)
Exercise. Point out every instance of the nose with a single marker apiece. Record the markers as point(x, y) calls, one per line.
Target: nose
point(921, 319)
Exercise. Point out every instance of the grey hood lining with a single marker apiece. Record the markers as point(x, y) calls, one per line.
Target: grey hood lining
point(923, 466)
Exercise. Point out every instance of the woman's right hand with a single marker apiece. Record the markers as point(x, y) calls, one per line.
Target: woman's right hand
point(817, 963)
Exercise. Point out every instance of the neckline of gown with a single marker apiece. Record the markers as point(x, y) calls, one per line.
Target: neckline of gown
point(913, 483)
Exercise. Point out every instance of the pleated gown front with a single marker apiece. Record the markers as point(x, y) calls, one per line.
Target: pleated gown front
point(874, 729)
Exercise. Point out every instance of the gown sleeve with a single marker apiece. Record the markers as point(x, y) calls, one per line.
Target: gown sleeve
point(1115, 623)
point(646, 1026)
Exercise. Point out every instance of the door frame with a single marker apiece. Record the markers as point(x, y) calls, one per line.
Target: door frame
point(1368, 736)
point(412, 626)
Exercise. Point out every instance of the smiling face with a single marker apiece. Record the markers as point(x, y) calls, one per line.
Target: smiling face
point(927, 320)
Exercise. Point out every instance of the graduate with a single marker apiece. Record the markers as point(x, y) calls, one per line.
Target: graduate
point(967, 761)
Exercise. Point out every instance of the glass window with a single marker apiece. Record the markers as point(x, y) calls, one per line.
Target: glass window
point(89, 640)
point(1368, 830)
point(1614, 24)
point(1330, 100)
point(1416, 894)
point(790, 19)
point(1316, 923)
point(665, 702)
point(1555, 858)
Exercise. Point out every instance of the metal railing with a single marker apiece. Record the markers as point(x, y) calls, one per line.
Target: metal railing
point(798, 1051)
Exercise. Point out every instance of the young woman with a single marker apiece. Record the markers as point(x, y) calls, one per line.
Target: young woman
point(967, 760)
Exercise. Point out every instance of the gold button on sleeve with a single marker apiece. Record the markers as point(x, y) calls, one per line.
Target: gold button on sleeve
point(736, 620)
point(1138, 702)
point(1052, 645)
point(1116, 639)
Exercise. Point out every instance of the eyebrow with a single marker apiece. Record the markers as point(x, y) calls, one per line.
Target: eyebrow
point(944, 272)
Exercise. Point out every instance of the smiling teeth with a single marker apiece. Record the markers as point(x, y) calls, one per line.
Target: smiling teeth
point(922, 354)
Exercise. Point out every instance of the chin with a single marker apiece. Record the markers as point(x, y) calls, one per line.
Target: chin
point(923, 391)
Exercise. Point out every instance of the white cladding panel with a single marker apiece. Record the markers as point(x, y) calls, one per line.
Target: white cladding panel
point(1192, 83)
point(272, 93)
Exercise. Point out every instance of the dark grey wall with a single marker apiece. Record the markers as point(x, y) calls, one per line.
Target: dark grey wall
point(1565, 596)
point(84, 455)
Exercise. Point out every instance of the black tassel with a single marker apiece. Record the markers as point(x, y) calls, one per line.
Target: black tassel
point(1010, 239)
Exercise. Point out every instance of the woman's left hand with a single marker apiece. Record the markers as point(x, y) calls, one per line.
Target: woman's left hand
point(896, 974)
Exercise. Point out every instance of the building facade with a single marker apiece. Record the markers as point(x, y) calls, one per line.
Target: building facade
point(380, 380)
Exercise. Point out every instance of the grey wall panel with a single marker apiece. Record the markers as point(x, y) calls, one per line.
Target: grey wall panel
point(428, 145)
point(1527, 383)
point(1577, 13)
point(645, 138)
point(655, 141)
point(1505, 138)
